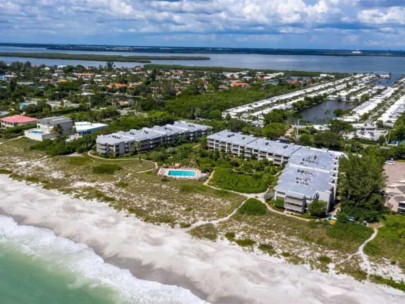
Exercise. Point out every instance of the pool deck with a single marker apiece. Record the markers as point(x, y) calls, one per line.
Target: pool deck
point(165, 172)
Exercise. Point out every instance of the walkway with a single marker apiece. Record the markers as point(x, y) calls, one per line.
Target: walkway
point(258, 196)
point(366, 262)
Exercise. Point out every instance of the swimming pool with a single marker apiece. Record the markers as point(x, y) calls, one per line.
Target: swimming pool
point(36, 131)
point(182, 173)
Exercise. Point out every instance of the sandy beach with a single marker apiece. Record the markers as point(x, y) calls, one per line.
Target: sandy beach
point(215, 272)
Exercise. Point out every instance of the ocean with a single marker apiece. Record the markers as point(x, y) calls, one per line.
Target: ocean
point(37, 267)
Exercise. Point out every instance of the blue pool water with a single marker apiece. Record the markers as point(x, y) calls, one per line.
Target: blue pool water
point(182, 173)
point(36, 132)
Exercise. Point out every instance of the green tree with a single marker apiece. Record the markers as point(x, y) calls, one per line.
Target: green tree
point(327, 139)
point(317, 208)
point(340, 127)
point(361, 183)
point(306, 140)
point(274, 130)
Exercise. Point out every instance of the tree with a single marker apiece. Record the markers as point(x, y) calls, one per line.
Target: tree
point(277, 115)
point(306, 140)
point(317, 208)
point(274, 130)
point(361, 183)
point(327, 139)
point(279, 203)
point(340, 127)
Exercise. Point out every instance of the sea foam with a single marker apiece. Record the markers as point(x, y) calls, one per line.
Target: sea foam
point(65, 255)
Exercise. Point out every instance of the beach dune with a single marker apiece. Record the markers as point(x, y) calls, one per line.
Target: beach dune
point(215, 272)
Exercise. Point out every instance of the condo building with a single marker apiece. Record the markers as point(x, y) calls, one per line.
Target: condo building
point(309, 174)
point(121, 143)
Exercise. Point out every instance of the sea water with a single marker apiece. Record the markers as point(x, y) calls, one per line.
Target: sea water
point(38, 267)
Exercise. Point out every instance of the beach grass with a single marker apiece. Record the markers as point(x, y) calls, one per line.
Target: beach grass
point(390, 241)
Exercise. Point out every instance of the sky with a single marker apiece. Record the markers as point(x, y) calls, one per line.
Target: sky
point(328, 24)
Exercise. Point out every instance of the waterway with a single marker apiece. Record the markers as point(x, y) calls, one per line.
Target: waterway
point(344, 64)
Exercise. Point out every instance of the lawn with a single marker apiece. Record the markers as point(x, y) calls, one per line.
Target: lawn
point(390, 241)
point(227, 178)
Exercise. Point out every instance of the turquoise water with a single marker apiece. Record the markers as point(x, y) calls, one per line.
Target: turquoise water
point(37, 267)
point(182, 173)
point(26, 279)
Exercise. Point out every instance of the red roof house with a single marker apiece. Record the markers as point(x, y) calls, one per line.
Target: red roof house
point(16, 120)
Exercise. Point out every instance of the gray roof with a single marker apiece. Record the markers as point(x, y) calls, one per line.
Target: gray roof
point(148, 133)
point(273, 147)
point(312, 158)
point(303, 182)
point(232, 137)
point(54, 120)
point(190, 126)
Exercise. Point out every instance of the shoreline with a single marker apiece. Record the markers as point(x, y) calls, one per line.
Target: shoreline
point(215, 272)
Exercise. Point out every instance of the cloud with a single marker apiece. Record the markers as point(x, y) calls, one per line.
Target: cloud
point(139, 21)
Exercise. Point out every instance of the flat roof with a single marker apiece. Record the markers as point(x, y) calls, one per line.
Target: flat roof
point(311, 158)
point(87, 126)
point(178, 128)
point(55, 120)
point(232, 137)
point(273, 147)
point(303, 182)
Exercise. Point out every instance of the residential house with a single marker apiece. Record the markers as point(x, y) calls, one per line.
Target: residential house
point(16, 120)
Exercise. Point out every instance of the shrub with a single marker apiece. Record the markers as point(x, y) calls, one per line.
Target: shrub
point(279, 203)
point(325, 259)
point(317, 208)
point(253, 207)
point(245, 242)
point(106, 169)
point(230, 236)
point(267, 248)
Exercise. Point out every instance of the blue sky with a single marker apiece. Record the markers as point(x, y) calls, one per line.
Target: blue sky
point(349, 24)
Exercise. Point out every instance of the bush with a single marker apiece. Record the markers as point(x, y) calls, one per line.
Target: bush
point(317, 208)
point(230, 236)
point(279, 203)
point(106, 169)
point(253, 207)
point(325, 259)
point(267, 248)
point(245, 243)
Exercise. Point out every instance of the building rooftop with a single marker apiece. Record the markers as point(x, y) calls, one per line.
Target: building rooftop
point(55, 120)
point(83, 126)
point(305, 182)
point(15, 119)
point(273, 147)
point(316, 159)
point(232, 137)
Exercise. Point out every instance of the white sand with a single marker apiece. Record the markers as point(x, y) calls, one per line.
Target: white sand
point(213, 271)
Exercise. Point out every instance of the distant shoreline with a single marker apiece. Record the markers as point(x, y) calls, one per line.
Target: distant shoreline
point(210, 50)
point(94, 57)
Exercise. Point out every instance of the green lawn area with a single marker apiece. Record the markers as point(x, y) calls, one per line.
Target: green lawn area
point(227, 178)
point(390, 241)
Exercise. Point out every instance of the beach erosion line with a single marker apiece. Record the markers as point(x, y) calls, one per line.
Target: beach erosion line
point(212, 271)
